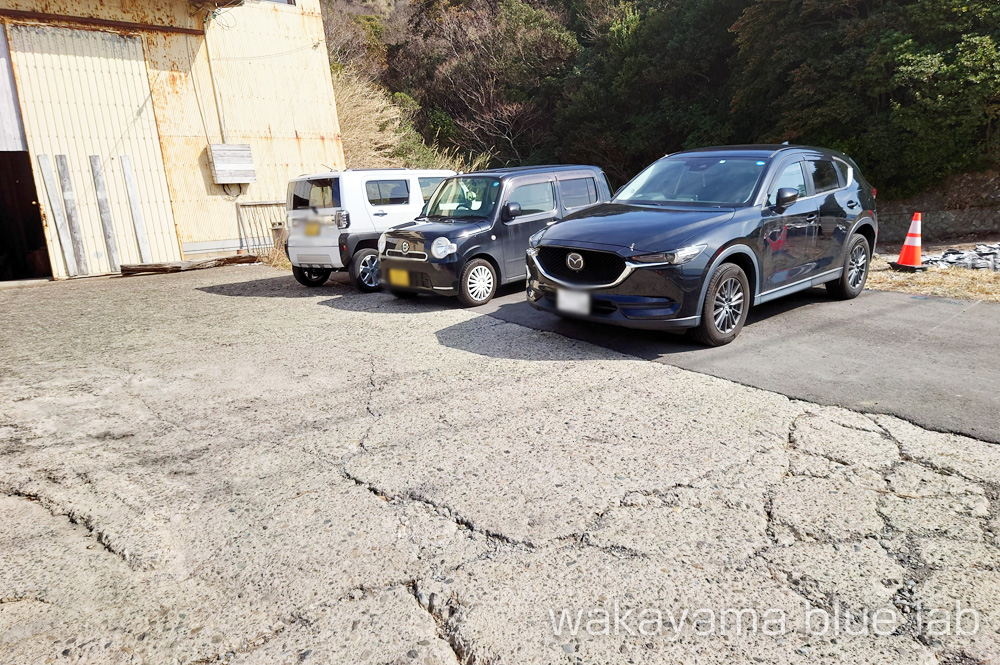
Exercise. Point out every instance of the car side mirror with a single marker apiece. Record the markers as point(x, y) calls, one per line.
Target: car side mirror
point(786, 197)
point(510, 211)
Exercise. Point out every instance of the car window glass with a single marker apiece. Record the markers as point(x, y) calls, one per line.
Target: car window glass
point(791, 177)
point(321, 193)
point(462, 197)
point(388, 192)
point(536, 198)
point(686, 180)
point(841, 172)
point(824, 175)
point(578, 192)
point(427, 186)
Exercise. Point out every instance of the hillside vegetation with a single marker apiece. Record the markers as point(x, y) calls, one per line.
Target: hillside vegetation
point(910, 88)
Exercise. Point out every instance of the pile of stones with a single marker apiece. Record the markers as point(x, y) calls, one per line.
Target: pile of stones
point(983, 257)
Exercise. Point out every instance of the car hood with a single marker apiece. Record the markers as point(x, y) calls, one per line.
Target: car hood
point(418, 230)
point(647, 228)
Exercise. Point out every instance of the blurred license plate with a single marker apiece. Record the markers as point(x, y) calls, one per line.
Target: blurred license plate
point(573, 302)
point(312, 228)
point(399, 277)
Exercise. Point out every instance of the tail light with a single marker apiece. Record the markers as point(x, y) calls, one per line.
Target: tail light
point(875, 192)
point(343, 219)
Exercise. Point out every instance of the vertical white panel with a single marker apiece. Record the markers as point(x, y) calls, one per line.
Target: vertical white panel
point(11, 129)
point(83, 93)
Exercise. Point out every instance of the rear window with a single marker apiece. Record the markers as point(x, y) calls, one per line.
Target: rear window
point(320, 193)
point(428, 185)
point(824, 175)
point(388, 192)
point(578, 192)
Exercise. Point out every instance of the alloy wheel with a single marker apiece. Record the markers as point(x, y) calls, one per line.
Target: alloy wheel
point(480, 283)
point(368, 271)
point(729, 302)
point(857, 267)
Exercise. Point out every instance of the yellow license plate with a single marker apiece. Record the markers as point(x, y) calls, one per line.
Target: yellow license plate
point(312, 228)
point(399, 277)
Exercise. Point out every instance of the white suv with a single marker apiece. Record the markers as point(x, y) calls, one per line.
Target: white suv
point(335, 219)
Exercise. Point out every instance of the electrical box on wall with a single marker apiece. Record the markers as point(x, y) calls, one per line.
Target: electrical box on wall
point(232, 164)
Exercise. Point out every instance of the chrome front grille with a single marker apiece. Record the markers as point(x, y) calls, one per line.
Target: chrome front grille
point(414, 256)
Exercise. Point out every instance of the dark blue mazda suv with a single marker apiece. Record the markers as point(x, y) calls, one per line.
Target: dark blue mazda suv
point(698, 237)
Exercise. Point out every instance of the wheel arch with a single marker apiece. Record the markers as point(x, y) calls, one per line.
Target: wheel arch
point(489, 258)
point(866, 227)
point(745, 258)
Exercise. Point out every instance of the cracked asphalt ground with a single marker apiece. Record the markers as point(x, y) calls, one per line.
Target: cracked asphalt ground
point(222, 466)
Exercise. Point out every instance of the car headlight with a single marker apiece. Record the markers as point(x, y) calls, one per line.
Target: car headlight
point(536, 238)
point(442, 247)
point(675, 258)
point(381, 244)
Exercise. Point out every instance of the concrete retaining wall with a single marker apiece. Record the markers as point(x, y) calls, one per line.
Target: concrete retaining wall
point(964, 205)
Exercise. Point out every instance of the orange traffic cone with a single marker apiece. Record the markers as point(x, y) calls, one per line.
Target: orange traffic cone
point(909, 257)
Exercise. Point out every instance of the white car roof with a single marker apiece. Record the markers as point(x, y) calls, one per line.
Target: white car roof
point(382, 172)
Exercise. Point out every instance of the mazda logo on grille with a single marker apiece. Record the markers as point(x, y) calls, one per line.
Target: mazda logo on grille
point(405, 247)
point(574, 261)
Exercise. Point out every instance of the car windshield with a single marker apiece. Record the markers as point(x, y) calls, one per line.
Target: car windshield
point(459, 198)
point(704, 180)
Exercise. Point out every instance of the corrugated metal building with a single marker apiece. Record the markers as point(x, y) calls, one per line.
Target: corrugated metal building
point(139, 131)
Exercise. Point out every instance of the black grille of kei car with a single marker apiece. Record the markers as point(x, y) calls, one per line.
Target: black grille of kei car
point(598, 267)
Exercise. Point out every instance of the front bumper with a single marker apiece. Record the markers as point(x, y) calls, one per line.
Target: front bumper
point(423, 276)
point(664, 298)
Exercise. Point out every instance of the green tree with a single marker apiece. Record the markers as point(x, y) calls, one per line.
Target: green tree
point(488, 72)
point(910, 89)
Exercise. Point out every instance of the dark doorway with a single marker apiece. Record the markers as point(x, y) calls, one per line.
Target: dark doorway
point(23, 254)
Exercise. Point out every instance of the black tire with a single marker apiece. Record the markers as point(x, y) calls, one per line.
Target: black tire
point(857, 262)
point(403, 295)
point(727, 302)
point(364, 271)
point(311, 277)
point(478, 283)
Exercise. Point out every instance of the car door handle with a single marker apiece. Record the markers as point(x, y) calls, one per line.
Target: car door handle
point(852, 204)
point(550, 223)
point(380, 213)
point(812, 218)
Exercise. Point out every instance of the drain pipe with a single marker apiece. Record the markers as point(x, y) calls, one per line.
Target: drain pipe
point(215, 82)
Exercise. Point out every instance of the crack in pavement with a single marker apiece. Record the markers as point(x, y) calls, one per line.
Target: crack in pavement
point(441, 509)
point(75, 517)
point(449, 634)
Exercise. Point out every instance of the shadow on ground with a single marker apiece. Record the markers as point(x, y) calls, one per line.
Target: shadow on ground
point(645, 344)
point(284, 286)
point(387, 303)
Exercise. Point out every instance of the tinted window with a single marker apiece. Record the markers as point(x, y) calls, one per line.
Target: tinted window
point(791, 177)
point(536, 198)
point(388, 192)
point(578, 192)
point(727, 180)
point(824, 175)
point(322, 193)
point(427, 187)
point(842, 172)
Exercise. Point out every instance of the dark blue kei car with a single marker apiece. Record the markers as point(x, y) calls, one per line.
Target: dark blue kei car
point(698, 237)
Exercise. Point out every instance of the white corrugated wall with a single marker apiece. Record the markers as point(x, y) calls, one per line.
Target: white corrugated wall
point(82, 93)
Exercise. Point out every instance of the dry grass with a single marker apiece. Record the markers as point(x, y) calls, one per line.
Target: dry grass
point(275, 258)
point(377, 133)
point(959, 283)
